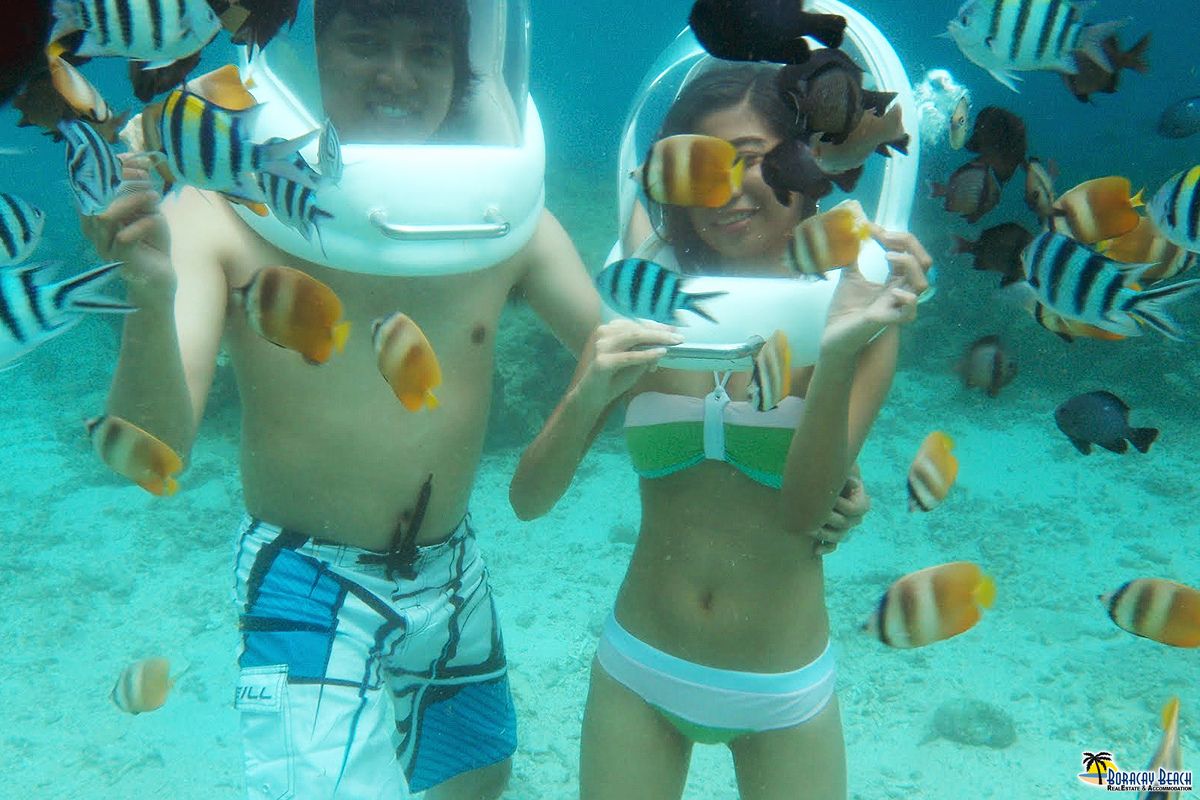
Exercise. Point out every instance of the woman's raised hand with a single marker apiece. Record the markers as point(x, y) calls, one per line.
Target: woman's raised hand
point(621, 352)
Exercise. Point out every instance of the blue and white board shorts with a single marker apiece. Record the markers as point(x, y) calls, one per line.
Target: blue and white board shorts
point(358, 683)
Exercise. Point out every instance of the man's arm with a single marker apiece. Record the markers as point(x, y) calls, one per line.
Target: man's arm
point(558, 287)
point(169, 346)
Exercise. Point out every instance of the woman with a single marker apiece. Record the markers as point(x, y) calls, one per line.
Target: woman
point(720, 632)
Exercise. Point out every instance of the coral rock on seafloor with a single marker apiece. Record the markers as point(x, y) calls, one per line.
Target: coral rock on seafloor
point(974, 723)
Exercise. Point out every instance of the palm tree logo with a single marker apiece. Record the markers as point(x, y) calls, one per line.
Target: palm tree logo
point(1095, 765)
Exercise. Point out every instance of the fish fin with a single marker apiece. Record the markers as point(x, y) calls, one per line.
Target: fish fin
point(1119, 446)
point(962, 245)
point(160, 64)
point(1091, 42)
point(170, 487)
point(1142, 438)
point(846, 181)
point(101, 305)
point(877, 101)
point(900, 145)
point(692, 303)
point(1082, 445)
point(1007, 78)
point(1138, 200)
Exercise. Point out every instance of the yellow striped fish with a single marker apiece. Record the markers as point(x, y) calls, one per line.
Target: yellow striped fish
point(1175, 209)
point(771, 380)
point(209, 147)
point(157, 31)
point(830, 240)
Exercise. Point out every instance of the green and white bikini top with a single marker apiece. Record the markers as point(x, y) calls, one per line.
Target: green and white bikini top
point(668, 433)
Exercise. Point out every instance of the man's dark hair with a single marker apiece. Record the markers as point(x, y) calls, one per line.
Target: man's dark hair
point(449, 16)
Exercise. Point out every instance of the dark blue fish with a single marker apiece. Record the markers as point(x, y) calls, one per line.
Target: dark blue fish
point(1101, 418)
point(1181, 119)
point(644, 289)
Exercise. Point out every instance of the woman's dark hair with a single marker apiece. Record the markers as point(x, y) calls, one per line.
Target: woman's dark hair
point(450, 17)
point(721, 85)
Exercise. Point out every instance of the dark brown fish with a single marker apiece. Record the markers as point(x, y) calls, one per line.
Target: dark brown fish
point(827, 93)
point(22, 44)
point(255, 22)
point(987, 365)
point(999, 139)
point(1096, 78)
point(999, 250)
point(790, 167)
point(971, 191)
point(150, 83)
point(762, 30)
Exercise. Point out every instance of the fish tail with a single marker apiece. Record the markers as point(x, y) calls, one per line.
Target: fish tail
point(1138, 200)
point(170, 486)
point(1142, 438)
point(431, 401)
point(67, 19)
point(76, 293)
point(1091, 42)
point(848, 180)
point(737, 174)
point(1135, 57)
point(341, 332)
point(828, 29)
point(937, 189)
point(985, 591)
point(1148, 307)
point(692, 303)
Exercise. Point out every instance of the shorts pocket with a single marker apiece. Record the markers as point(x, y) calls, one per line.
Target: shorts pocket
point(266, 722)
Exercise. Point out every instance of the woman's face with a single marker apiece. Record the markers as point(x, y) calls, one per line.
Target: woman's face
point(753, 228)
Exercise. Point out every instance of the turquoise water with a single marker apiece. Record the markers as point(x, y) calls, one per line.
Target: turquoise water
point(94, 573)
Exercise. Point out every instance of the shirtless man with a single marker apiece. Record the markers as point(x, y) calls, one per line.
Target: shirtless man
point(372, 664)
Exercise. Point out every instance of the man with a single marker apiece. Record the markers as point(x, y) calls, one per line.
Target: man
point(372, 663)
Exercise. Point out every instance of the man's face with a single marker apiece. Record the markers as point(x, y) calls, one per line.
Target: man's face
point(386, 80)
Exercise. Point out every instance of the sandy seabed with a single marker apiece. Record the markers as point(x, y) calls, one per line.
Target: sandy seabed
point(94, 574)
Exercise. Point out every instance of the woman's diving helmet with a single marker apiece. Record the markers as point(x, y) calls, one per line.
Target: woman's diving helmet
point(441, 144)
point(757, 306)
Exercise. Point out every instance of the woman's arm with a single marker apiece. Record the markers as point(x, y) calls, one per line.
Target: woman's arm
point(609, 367)
point(849, 383)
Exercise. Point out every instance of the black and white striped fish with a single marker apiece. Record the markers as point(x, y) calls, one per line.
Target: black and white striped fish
point(329, 150)
point(157, 31)
point(295, 204)
point(646, 290)
point(20, 229)
point(1009, 36)
point(1175, 209)
point(209, 147)
point(93, 169)
point(1082, 285)
point(32, 312)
